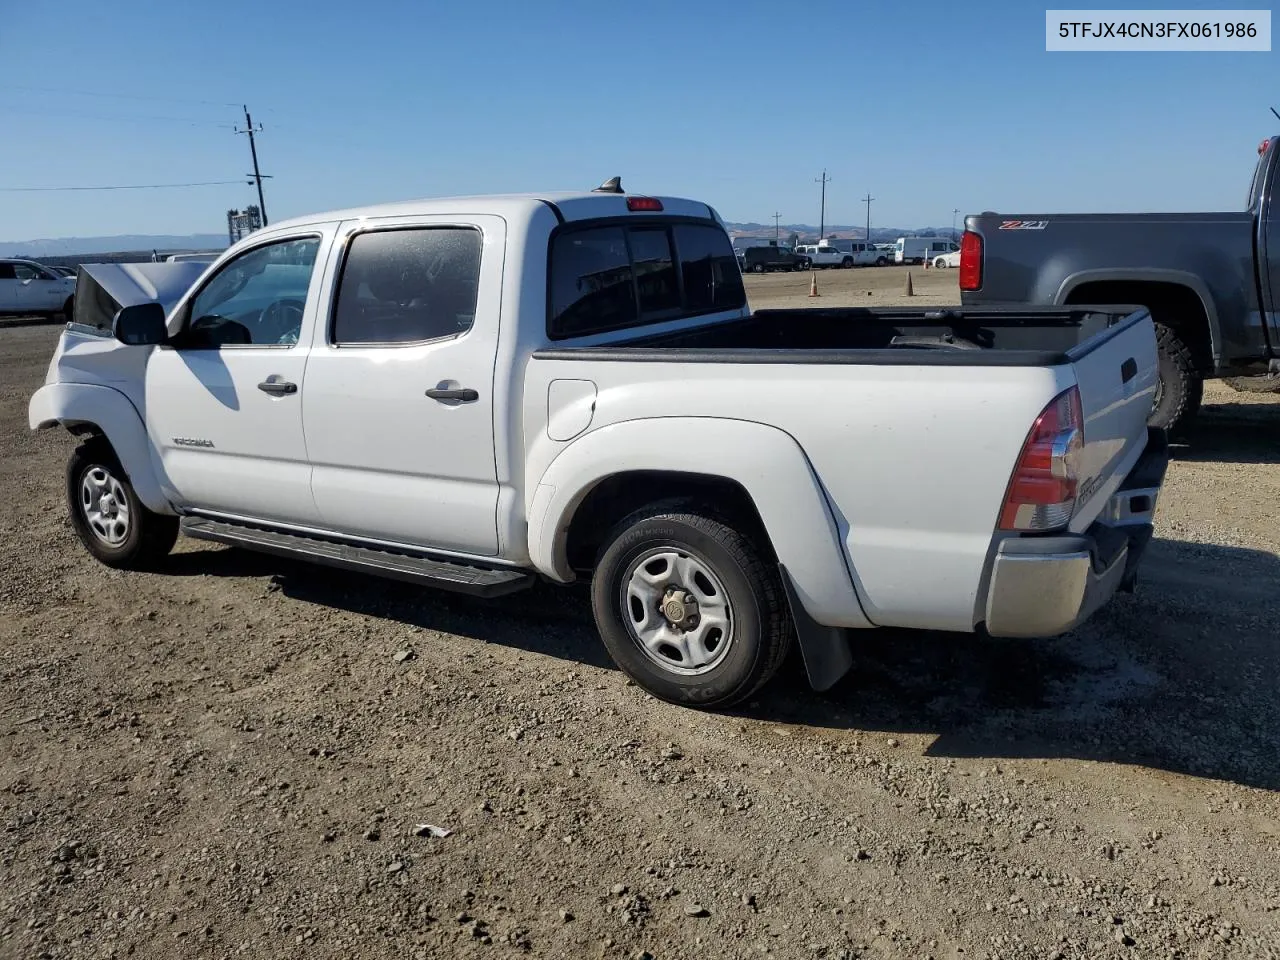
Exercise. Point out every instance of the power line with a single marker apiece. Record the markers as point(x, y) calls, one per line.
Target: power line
point(138, 186)
point(116, 96)
point(115, 118)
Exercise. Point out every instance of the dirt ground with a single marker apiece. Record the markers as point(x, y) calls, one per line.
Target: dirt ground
point(234, 757)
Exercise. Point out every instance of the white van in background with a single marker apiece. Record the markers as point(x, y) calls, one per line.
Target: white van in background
point(921, 249)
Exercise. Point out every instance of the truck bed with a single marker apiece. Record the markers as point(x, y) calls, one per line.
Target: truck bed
point(1017, 336)
point(912, 421)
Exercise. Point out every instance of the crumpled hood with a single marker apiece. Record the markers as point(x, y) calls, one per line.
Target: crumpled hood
point(131, 283)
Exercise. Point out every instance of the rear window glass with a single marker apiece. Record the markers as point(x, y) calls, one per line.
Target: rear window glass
point(712, 280)
point(655, 270)
point(613, 277)
point(591, 286)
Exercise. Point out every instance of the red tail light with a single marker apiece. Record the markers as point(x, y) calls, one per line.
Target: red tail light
point(644, 203)
point(1262, 147)
point(970, 261)
point(1042, 492)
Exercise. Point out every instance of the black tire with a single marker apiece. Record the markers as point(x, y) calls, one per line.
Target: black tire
point(759, 268)
point(68, 309)
point(1263, 383)
point(1180, 389)
point(149, 536)
point(881, 261)
point(847, 263)
point(760, 629)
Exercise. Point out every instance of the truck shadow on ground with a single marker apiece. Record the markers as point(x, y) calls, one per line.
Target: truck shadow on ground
point(1232, 433)
point(1179, 677)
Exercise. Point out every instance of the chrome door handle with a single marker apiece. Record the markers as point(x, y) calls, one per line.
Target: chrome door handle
point(278, 388)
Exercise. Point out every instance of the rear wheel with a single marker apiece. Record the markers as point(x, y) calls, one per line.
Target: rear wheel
point(689, 607)
point(1179, 389)
point(758, 268)
point(847, 262)
point(107, 515)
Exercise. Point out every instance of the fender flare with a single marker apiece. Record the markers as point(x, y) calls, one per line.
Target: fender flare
point(109, 412)
point(769, 464)
point(1151, 275)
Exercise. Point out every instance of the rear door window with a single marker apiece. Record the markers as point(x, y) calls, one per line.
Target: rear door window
point(408, 285)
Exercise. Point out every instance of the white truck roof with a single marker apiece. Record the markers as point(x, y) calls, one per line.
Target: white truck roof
point(572, 205)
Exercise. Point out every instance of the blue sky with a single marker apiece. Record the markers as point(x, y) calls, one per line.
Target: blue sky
point(929, 105)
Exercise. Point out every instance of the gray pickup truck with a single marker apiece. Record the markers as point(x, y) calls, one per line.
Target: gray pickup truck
point(1210, 280)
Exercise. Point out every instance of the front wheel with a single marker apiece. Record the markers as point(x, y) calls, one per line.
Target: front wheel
point(758, 268)
point(107, 515)
point(689, 608)
point(68, 308)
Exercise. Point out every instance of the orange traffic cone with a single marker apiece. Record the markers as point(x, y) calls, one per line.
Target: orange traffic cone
point(910, 291)
point(813, 283)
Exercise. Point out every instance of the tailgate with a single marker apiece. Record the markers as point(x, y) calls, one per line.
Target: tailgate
point(1117, 375)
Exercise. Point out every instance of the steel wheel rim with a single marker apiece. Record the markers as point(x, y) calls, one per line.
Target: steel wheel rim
point(105, 506)
point(659, 586)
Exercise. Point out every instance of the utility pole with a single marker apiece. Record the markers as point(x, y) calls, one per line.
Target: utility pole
point(954, 213)
point(777, 226)
point(822, 216)
point(867, 200)
point(257, 174)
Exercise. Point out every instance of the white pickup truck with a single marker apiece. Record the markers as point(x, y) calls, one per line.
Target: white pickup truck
point(30, 288)
point(477, 393)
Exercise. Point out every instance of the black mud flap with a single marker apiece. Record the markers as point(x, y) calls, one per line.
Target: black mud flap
point(825, 650)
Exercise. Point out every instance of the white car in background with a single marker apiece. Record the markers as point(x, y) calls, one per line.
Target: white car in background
point(28, 288)
point(945, 260)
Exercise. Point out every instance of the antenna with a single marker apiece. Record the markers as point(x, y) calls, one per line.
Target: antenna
point(1273, 110)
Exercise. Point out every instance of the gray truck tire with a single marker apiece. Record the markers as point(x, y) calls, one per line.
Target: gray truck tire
point(643, 568)
point(1180, 388)
point(107, 515)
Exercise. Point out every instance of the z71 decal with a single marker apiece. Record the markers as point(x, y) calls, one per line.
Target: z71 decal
point(1023, 224)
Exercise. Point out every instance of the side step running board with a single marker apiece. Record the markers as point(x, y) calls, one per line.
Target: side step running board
point(415, 568)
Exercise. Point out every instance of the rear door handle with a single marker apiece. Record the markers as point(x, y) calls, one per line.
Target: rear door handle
point(465, 394)
point(278, 388)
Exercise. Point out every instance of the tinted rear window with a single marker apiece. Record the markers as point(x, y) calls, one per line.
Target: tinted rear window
point(613, 277)
point(712, 280)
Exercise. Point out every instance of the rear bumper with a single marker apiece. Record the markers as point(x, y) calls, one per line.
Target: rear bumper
point(1044, 586)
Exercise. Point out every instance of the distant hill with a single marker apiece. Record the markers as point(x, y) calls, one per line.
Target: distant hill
point(82, 247)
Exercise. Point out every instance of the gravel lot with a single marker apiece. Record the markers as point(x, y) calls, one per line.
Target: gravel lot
point(237, 757)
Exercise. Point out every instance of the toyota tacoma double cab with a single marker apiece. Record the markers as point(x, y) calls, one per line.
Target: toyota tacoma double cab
point(479, 394)
point(1210, 280)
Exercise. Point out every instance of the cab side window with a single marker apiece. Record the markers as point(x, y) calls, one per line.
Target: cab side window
point(257, 299)
point(408, 285)
point(27, 271)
